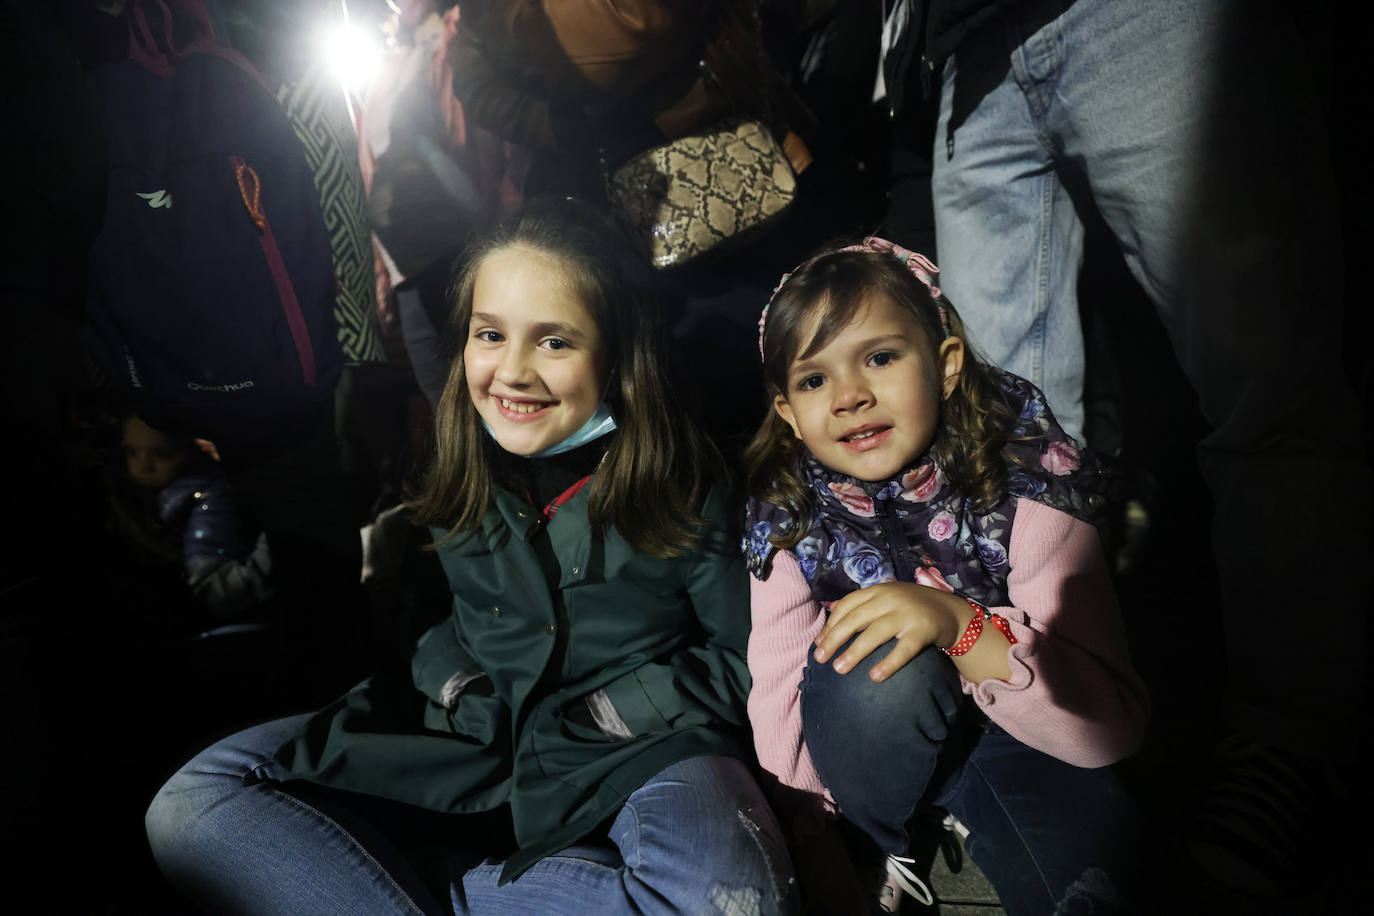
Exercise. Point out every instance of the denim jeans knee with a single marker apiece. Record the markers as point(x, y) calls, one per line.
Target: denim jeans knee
point(242, 846)
point(698, 837)
point(875, 745)
point(1050, 836)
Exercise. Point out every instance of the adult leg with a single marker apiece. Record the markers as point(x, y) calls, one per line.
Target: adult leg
point(877, 745)
point(1253, 308)
point(238, 845)
point(1219, 188)
point(1051, 837)
point(1130, 115)
point(696, 838)
point(1009, 235)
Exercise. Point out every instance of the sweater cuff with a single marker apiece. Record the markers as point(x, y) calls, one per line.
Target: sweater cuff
point(986, 693)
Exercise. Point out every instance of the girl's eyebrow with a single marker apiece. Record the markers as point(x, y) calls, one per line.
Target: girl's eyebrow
point(540, 329)
point(807, 363)
point(557, 329)
point(880, 340)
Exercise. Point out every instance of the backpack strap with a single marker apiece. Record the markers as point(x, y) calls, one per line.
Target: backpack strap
point(187, 20)
point(144, 48)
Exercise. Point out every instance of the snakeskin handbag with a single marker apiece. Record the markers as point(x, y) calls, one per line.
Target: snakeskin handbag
point(703, 191)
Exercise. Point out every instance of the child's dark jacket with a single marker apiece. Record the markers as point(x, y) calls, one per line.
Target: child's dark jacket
point(549, 620)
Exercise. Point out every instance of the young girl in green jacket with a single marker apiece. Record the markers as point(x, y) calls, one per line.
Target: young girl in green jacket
point(572, 737)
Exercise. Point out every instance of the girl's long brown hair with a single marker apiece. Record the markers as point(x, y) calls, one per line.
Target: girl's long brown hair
point(654, 478)
point(837, 285)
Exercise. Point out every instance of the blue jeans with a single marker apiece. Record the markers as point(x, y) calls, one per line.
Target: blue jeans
point(1102, 98)
point(1046, 834)
point(1196, 128)
point(696, 838)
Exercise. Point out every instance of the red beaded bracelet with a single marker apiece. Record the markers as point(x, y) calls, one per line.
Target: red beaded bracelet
point(975, 629)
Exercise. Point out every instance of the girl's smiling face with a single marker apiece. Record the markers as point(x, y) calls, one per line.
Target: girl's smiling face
point(867, 404)
point(534, 359)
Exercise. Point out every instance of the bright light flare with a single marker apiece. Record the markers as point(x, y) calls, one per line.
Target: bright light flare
point(353, 55)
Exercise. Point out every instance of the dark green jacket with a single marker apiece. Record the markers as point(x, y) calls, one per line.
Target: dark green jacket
point(549, 619)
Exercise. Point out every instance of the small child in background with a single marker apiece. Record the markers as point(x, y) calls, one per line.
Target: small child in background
point(172, 505)
point(925, 568)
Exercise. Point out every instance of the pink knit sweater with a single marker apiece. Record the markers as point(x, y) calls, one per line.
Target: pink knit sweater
point(1072, 693)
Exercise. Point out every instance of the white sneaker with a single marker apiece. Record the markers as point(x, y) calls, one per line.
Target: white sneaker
point(953, 825)
point(899, 880)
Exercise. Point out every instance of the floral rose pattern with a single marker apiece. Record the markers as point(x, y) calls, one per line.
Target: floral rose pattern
point(920, 485)
point(865, 566)
point(854, 498)
point(943, 526)
point(949, 544)
point(992, 553)
point(929, 575)
point(756, 540)
point(1060, 458)
point(1027, 486)
point(809, 551)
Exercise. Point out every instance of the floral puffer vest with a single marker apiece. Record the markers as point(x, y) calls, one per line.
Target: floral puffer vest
point(919, 528)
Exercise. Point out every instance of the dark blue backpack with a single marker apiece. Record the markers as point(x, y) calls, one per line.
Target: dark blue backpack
point(211, 284)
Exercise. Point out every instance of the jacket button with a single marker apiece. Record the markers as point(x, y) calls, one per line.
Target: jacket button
point(575, 570)
point(496, 611)
point(521, 512)
point(550, 629)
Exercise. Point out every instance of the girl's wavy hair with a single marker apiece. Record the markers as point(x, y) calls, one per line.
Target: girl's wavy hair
point(836, 286)
point(653, 480)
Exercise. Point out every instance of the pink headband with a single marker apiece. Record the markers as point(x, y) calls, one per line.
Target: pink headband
point(919, 265)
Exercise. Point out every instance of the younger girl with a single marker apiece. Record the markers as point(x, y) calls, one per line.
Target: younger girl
point(571, 738)
point(924, 571)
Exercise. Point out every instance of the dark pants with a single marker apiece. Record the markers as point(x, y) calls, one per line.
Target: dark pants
point(1044, 832)
point(423, 306)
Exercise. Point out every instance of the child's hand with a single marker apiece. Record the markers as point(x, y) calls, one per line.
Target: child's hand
point(915, 615)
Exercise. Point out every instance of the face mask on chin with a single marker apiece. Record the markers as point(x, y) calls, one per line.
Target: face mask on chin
point(598, 424)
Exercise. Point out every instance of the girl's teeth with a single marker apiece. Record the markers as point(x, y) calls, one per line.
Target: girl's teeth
point(865, 435)
point(520, 408)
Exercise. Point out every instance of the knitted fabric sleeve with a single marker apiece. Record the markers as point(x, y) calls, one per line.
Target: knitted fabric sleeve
point(1073, 692)
point(786, 621)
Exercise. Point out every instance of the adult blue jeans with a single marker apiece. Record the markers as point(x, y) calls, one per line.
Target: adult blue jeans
point(1049, 836)
point(1195, 127)
point(696, 838)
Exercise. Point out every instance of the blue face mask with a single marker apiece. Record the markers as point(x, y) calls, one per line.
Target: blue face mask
point(598, 424)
